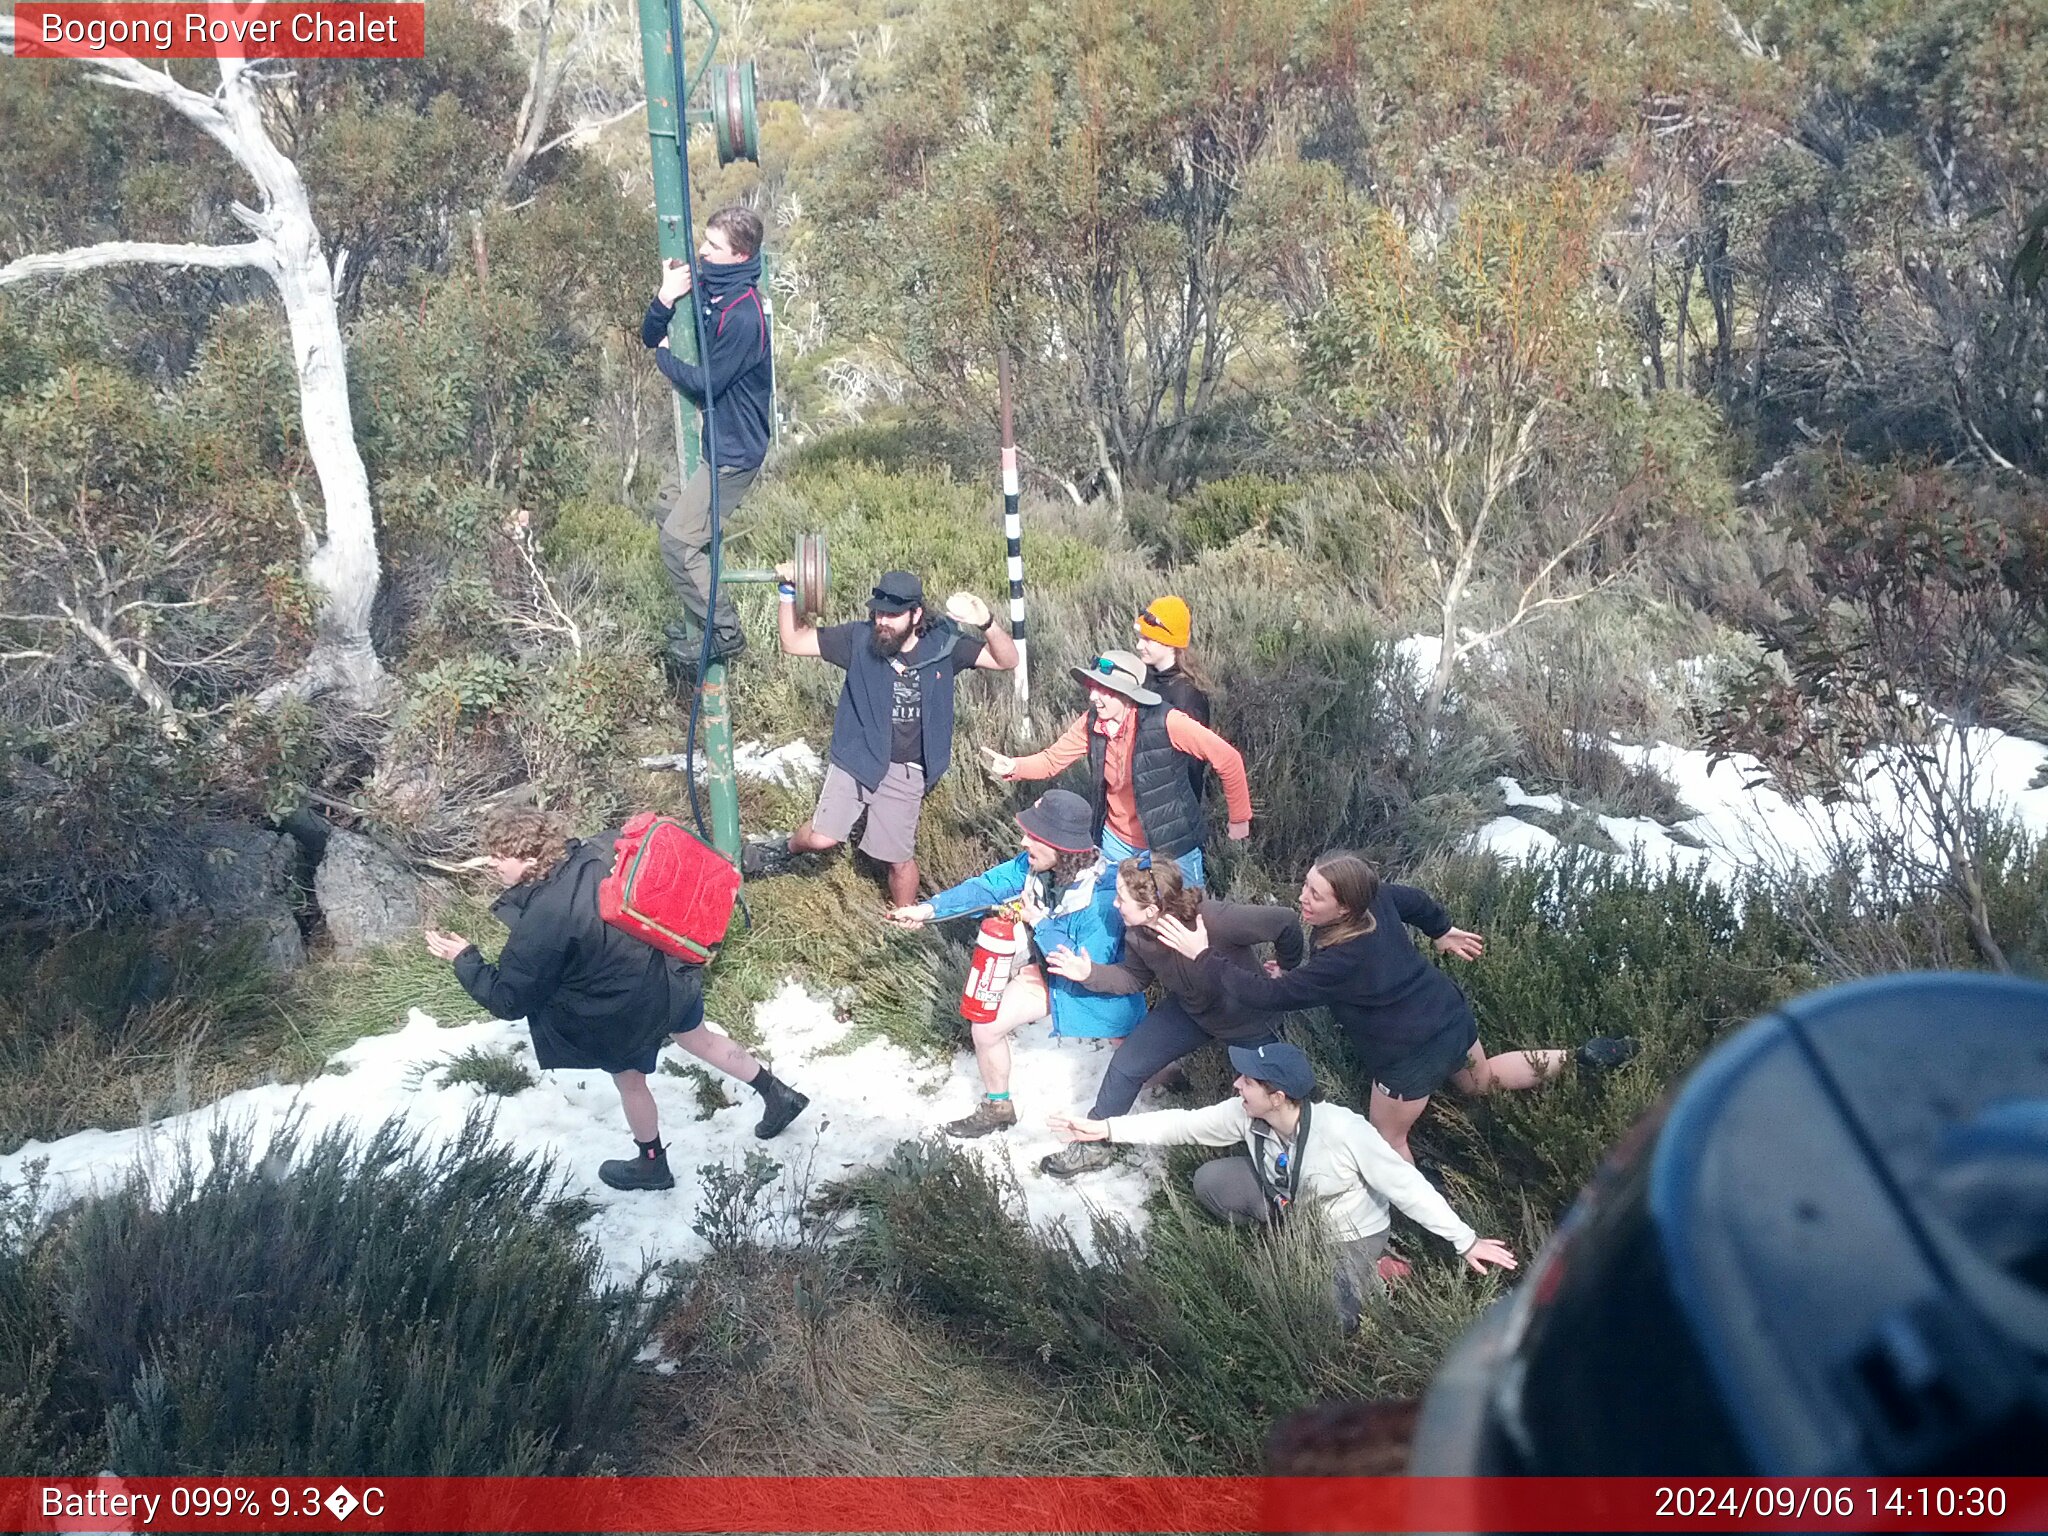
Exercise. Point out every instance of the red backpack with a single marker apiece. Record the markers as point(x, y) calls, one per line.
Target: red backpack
point(669, 889)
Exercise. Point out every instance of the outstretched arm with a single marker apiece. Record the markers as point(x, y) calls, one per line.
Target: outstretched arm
point(1071, 747)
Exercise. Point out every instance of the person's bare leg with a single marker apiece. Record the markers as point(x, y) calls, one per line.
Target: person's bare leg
point(1023, 1000)
point(1395, 1118)
point(638, 1101)
point(1510, 1070)
point(902, 883)
point(720, 1051)
point(807, 839)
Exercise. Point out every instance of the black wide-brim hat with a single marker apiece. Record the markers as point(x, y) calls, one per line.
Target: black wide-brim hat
point(1061, 819)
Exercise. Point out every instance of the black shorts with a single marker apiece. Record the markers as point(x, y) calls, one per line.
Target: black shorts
point(647, 1064)
point(1419, 1073)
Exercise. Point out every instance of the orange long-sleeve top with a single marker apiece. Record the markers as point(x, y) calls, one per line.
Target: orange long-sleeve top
point(1184, 731)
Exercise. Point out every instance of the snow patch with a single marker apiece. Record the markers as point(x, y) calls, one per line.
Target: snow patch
point(1513, 838)
point(1511, 791)
point(864, 1101)
point(791, 764)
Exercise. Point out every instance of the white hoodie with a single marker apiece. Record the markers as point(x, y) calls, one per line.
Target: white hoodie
point(1345, 1164)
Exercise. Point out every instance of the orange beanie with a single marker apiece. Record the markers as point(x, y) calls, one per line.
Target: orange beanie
point(1168, 621)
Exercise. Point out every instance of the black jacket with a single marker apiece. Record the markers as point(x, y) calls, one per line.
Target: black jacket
point(1179, 692)
point(742, 373)
point(1387, 998)
point(594, 996)
point(1234, 928)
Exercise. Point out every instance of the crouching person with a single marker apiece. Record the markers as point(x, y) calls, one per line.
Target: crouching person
point(1295, 1150)
point(1065, 899)
point(595, 997)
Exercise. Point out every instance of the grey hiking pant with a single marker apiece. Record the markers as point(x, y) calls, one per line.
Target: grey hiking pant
point(1229, 1188)
point(685, 512)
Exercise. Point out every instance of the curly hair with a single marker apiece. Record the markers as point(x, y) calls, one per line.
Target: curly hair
point(522, 832)
point(1159, 884)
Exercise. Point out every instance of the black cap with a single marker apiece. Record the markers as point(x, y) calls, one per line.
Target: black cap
point(896, 592)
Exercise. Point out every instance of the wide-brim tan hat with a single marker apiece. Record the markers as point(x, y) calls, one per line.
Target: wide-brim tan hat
point(1119, 672)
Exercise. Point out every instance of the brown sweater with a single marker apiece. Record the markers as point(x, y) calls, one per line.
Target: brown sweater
point(1233, 930)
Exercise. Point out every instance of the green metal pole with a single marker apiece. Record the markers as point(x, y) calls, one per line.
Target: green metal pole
point(666, 122)
point(720, 783)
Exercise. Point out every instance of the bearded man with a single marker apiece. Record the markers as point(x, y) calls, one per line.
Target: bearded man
point(892, 736)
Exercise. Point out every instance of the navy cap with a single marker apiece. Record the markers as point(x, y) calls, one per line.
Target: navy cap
point(896, 592)
point(1277, 1065)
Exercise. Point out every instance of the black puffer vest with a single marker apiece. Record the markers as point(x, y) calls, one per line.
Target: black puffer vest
point(1168, 808)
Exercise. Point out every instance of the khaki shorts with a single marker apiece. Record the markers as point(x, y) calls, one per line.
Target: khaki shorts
point(892, 810)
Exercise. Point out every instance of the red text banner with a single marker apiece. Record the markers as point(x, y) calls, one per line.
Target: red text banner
point(998, 1504)
point(269, 29)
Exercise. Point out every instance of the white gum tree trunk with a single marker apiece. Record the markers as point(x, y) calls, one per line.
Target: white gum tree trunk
point(340, 559)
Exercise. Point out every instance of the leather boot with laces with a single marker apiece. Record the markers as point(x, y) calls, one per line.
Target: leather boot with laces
point(1077, 1158)
point(989, 1115)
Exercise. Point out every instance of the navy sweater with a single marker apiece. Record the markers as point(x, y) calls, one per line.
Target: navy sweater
point(741, 373)
point(1378, 987)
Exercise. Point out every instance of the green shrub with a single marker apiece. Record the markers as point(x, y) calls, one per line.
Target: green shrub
point(1215, 515)
point(113, 1025)
point(1197, 1334)
point(498, 1073)
point(368, 1307)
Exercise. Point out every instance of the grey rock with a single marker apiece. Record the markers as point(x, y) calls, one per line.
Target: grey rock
point(232, 875)
point(367, 894)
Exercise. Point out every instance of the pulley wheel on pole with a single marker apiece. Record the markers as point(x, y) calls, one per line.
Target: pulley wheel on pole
point(733, 120)
point(813, 572)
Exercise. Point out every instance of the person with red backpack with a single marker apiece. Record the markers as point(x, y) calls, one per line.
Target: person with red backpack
point(739, 377)
point(594, 997)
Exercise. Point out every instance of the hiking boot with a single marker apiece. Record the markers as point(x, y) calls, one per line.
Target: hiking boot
point(1606, 1053)
point(780, 1104)
point(647, 1171)
point(766, 856)
point(685, 646)
point(1077, 1158)
point(989, 1115)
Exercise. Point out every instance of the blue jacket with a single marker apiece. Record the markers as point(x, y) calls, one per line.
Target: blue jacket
point(1093, 926)
point(861, 732)
point(742, 373)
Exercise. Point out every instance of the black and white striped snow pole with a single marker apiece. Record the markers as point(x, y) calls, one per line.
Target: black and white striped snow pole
point(1013, 533)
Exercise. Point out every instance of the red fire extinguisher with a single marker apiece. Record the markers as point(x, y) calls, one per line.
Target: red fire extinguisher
point(995, 958)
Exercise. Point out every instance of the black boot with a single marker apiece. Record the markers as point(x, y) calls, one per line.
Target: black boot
point(780, 1104)
point(1606, 1053)
point(647, 1171)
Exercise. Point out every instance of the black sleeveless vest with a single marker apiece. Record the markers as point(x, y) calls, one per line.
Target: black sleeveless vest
point(1168, 808)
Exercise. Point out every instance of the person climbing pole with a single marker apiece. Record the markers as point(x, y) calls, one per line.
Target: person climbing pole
point(738, 377)
point(594, 997)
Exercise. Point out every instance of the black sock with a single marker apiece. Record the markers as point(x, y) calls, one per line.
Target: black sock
point(650, 1150)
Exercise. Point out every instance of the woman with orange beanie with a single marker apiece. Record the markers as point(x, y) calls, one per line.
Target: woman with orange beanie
point(1165, 628)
